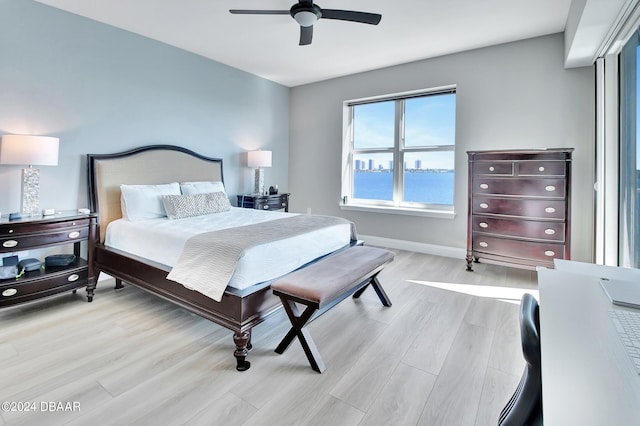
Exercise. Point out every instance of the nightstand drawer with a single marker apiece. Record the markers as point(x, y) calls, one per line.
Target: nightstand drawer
point(10, 229)
point(264, 202)
point(15, 291)
point(19, 242)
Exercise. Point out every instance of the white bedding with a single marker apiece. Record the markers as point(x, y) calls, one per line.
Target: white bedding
point(162, 240)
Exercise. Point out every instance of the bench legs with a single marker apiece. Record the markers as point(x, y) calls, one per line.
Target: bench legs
point(298, 322)
point(379, 291)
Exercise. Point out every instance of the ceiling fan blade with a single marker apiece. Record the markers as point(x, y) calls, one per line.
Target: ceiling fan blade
point(306, 35)
point(258, 12)
point(352, 15)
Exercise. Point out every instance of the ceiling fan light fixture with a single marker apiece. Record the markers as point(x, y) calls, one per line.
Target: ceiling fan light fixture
point(305, 18)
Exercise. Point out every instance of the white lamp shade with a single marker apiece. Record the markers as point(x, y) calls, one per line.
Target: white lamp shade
point(259, 159)
point(29, 150)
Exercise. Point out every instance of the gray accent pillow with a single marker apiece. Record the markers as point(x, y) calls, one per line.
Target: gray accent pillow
point(189, 205)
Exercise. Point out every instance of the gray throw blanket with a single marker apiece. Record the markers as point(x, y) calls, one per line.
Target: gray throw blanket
point(208, 260)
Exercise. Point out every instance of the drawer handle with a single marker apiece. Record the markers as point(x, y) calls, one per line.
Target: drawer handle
point(484, 205)
point(484, 186)
point(492, 169)
point(483, 244)
point(265, 207)
point(10, 243)
point(549, 188)
point(550, 210)
point(549, 231)
point(74, 234)
point(549, 253)
point(484, 225)
point(10, 292)
point(541, 169)
point(73, 277)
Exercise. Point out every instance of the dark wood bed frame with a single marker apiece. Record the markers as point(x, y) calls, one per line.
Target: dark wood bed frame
point(239, 311)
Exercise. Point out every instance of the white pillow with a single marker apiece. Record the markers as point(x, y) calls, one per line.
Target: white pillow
point(189, 205)
point(191, 188)
point(140, 202)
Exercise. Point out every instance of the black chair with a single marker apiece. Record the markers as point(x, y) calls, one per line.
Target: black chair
point(525, 406)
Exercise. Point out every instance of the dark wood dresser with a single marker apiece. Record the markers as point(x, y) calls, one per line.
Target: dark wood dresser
point(519, 207)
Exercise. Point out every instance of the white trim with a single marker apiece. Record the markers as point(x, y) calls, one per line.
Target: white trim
point(627, 14)
point(436, 250)
point(407, 94)
point(607, 136)
point(621, 30)
point(440, 214)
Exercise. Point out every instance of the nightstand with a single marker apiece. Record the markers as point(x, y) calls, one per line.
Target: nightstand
point(264, 202)
point(65, 228)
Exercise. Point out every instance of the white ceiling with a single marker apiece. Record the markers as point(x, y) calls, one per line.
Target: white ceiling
point(267, 46)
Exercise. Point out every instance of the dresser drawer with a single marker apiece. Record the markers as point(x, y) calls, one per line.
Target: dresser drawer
point(14, 289)
point(25, 241)
point(494, 168)
point(535, 209)
point(517, 248)
point(519, 228)
point(521, 187)
point(542, 168)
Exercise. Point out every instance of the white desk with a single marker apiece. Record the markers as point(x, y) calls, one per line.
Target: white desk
point(587, 376)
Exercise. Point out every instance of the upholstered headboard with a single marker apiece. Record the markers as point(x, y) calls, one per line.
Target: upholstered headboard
point(155, 164)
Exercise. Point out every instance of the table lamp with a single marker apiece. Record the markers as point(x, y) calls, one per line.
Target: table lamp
point(29, 151)
point(258, 160)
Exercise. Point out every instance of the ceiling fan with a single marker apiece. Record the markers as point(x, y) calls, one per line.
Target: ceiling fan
point(306, 13)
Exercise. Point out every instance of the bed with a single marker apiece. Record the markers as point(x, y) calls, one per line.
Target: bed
point(247, 300)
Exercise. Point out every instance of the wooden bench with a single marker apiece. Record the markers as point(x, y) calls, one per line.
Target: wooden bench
point(322, 285)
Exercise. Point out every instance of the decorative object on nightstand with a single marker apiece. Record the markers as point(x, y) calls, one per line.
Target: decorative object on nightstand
point(258, 160)
point(519, 207)
point(61, 272)
point(264, 202)
point(27, 150)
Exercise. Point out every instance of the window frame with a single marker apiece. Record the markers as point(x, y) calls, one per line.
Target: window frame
point(398, 151)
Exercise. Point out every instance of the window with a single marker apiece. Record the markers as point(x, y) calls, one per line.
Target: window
point(398, 151)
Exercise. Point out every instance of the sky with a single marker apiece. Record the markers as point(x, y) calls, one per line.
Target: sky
point(429, 121)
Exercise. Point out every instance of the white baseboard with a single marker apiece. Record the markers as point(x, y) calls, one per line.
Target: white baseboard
point(436, 250)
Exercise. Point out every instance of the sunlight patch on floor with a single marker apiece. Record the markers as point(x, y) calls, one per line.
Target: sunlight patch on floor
point(505, 294)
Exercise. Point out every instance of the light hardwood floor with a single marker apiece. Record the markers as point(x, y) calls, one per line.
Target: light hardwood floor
point(446, 353)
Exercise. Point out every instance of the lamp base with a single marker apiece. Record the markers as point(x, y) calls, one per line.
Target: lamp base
point(30, 204)
point(259, 182)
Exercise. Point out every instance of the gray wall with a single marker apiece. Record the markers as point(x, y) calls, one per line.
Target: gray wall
point(515, 95)
point(100, 89)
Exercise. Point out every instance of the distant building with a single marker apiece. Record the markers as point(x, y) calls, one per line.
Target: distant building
point(418, 164)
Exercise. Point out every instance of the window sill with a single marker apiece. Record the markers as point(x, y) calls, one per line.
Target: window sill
point(440, 214)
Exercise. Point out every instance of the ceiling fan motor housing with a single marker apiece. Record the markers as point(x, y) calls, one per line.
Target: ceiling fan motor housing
point(305, 14)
